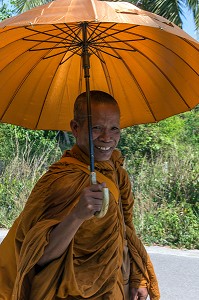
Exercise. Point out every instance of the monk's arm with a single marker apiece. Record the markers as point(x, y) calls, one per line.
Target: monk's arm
point(60, 238)
point(62, 234)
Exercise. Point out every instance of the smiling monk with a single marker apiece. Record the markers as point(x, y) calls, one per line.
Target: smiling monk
point(57, 248)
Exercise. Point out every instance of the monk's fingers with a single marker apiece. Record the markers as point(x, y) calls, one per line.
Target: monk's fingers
point(97, 187)
point(142, 293)
point(92, 192)
point(96, 196)
point(91, 196)
point(141, 297)
point(134, 294)
point(94, 206)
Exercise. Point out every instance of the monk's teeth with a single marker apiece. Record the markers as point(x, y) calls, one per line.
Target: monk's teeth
point(104, 148)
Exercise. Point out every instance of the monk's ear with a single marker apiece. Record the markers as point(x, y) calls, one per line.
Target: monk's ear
point(74, 127)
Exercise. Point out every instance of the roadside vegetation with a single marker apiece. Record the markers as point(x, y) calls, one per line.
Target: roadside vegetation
point(161, 159)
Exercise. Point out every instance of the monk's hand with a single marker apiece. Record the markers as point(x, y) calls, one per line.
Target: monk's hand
point(139, 294)
point(90, 201)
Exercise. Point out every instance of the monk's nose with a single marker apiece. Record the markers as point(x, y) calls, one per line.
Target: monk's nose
point(105, 136)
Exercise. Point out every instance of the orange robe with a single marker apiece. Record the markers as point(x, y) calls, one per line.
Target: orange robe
point(91, 266)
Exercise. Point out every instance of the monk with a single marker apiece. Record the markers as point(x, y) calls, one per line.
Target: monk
point(57, 248)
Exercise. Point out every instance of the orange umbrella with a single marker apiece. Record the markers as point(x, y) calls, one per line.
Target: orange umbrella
point(149, 65)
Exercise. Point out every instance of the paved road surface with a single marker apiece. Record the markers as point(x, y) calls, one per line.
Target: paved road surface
point(177, 271)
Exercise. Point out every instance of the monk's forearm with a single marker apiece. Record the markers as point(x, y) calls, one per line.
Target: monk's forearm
point(60, 238)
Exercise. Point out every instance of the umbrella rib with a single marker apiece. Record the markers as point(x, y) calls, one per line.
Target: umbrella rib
point(43, 33)
point(146, 38)
point(93, 46)
point(189, 43)
point(19, 86)
point(70, 28)
point(107, 76)
point(66, 51)
point(140, 89)
point(74, 36)
point(96, 54)
point(138, 85)
point(35, 40)
point(130, 72)
point(123, 41)
point(92, 31)
point(70, 46)
point(63, 61)
point(117, 40)
point(171, 83)
point(30, 49)
point(117, 48)
point(110, 47)
point(39, 117)
point(54, 48)
point(193, 46)
point(98, 36)
point(162, 45)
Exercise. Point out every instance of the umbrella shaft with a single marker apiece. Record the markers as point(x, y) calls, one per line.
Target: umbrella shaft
point(86, 66)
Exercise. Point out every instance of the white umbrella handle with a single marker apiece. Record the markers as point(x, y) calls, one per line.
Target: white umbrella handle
point(105, 201)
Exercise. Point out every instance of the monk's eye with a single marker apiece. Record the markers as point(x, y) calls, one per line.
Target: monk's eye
point(115, 129)
point(97, 128)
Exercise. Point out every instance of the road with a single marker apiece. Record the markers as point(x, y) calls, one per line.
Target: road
point(177, 271)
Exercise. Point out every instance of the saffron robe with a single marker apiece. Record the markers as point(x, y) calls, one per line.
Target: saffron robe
point(90, 268)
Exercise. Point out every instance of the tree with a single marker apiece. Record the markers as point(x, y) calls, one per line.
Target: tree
point(24, 5)
point(5, 11)
point(170, 9)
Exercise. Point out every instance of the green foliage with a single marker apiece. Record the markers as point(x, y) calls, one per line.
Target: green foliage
point(170, 9)
point(24, 5)
point(15, 141)
point(24, 157)
point(5, 12)
point(172, 175)
point(148, 139)
point(21, 172)
point(162, 160)
point(171, 224)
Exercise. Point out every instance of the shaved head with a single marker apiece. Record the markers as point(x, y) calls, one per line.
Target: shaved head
point(97, 97)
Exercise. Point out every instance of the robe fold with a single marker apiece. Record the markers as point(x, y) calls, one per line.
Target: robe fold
point(90, 268)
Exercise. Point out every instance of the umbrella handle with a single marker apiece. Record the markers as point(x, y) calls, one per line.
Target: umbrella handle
point(105, 201)
point(105, 204)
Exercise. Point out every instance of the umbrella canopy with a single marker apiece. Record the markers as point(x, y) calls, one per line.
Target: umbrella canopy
point(149, 65)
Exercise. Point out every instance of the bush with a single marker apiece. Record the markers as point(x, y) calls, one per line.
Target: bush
point(172, 224)
point(161, 159)
point(20, 174)
point(166, 207)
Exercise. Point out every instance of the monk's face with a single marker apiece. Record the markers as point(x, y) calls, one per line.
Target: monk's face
point(105, 131)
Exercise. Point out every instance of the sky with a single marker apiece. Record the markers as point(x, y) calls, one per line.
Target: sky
point(188, 23)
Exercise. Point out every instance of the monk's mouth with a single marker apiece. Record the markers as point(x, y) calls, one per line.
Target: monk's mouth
point(103, 148)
